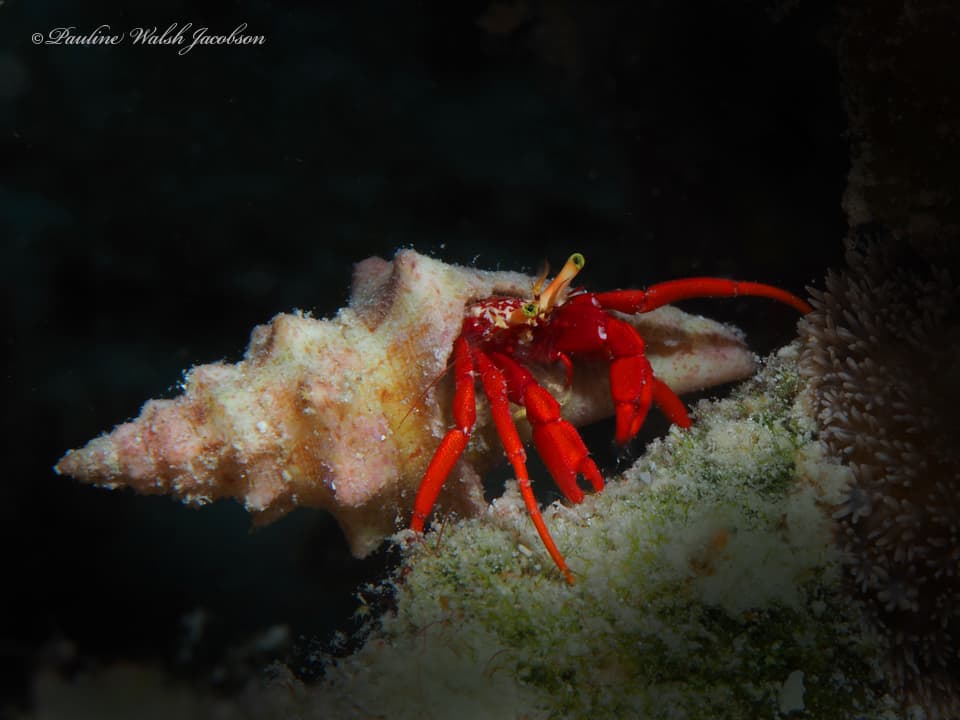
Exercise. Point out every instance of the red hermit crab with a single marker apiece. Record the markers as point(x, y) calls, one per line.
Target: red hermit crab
point(501, 336)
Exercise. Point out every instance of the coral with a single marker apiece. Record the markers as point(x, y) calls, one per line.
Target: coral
point(344, 413)
point(881, 350)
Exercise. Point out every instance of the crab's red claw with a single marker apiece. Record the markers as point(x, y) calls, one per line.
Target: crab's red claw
point(631, 378)
point(632, 391)
point(559, 444)
point(566, 456)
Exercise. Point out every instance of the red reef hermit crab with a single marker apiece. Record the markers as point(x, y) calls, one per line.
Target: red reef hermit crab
point(501, 336)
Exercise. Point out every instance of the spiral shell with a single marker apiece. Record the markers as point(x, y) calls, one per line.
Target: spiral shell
point(344, 413)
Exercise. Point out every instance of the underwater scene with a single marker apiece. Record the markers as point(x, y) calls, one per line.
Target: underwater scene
point(497, 359)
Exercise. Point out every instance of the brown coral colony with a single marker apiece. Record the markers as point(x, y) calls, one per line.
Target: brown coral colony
point(881, 349)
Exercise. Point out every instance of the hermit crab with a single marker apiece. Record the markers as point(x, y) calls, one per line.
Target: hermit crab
point(502, 337)
point(343, 413)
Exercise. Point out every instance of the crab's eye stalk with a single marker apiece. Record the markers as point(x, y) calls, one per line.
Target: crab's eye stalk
point(523, 314)
point(553, 294)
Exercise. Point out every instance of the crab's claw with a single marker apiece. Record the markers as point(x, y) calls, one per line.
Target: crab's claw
point(558, 442)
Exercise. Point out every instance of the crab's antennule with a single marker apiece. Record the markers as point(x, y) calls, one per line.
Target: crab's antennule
point(541, 279)
point(549, 297)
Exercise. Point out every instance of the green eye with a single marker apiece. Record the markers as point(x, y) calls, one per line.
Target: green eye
point(530, 309)
point(578, 261)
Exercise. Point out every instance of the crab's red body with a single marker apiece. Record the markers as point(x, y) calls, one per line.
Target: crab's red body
point(502, 335)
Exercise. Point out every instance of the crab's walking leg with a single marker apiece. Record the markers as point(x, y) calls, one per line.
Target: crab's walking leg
point(670, 404)
point(454, 442)
point(640, 301)
point(495, 388)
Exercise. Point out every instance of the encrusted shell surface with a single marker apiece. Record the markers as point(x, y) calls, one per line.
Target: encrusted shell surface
point(345, 413)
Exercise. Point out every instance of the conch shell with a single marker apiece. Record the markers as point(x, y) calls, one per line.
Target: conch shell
point(345, 413)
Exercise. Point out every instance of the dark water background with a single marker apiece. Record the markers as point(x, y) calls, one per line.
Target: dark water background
point(155, 206)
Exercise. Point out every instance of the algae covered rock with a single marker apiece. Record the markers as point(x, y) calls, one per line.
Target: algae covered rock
point(709, 585)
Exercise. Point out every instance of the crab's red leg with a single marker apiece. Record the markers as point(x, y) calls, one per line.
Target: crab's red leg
point(557, 441)
point(670, 404)
point(640, 301)
point(454, 442)
point(495, 387)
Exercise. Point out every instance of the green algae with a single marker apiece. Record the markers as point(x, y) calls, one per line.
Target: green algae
point(708, 586)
